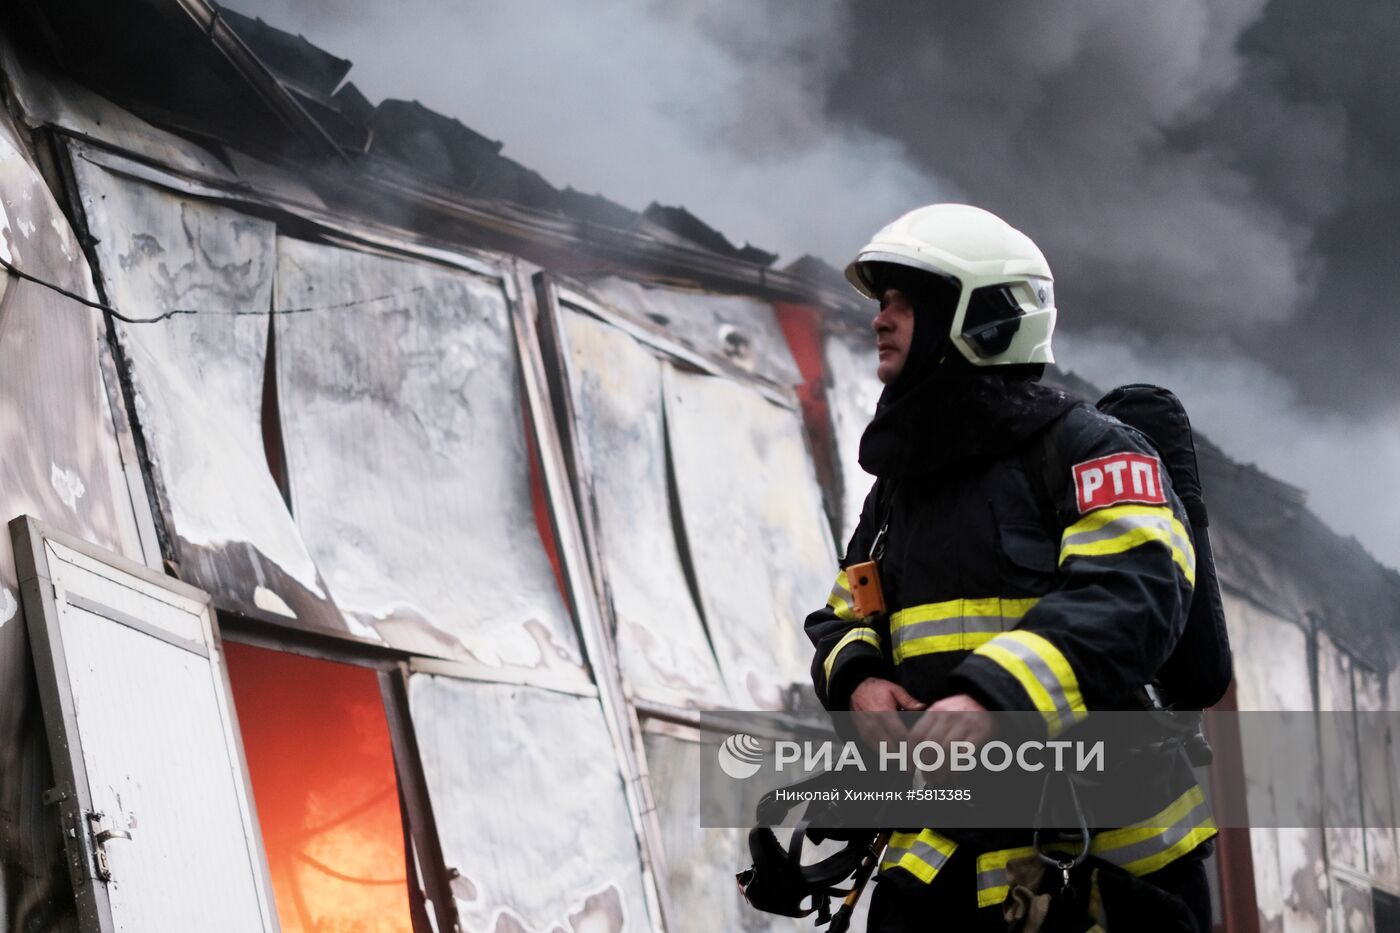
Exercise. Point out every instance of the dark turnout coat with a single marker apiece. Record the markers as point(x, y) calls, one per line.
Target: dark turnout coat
point(1062, 601)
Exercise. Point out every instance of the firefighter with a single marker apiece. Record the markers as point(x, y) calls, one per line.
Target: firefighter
point(997, 599)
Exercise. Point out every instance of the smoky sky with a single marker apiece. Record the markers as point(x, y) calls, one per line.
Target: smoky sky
point(1222, 176)
point(1216, 184)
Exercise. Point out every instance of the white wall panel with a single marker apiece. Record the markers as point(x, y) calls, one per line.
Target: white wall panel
point(758, 537)
point(1271, 673)
point(529, 806)
point(852, 393)
point(199, 383)
point(1341, 778)
point(701, 863)
point(741, 330)
point(405, 438)
point(1377, 780)
point(61, 462)
point(661, 642)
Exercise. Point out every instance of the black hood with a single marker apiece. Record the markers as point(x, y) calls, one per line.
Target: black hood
point(943, 421)
point(931, 352)
point(942, 409)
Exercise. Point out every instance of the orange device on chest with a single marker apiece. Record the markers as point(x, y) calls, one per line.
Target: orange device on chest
point(867, 598)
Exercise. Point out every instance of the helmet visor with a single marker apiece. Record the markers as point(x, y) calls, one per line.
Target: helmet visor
point(863, 272)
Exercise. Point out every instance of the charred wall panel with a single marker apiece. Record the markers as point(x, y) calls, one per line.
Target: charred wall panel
point(1392, 702)
point(1289, 864)
point(1341, 778)
point(198, 379)
point(616, 384)
point(742, 331)
point(1378, 782)
point(61, 464)
point(1352, 907)
point(700, 863)
point(853, 391)
point(406, 450)
point(529, 805)
point(756, 530)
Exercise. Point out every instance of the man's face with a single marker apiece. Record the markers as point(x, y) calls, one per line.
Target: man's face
point(894, 334)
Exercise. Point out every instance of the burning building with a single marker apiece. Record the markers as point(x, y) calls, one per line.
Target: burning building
point(382, 509)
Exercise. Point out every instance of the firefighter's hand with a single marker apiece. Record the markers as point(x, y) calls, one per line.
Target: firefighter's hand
point(955, 719)
point(881, 698)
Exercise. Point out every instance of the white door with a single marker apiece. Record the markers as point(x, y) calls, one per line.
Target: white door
point(149, 774)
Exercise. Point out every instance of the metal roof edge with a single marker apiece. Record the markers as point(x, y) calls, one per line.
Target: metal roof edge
point(644, 257)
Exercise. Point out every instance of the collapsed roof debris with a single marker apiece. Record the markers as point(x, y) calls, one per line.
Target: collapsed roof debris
point(679, 220)
point(305, 106)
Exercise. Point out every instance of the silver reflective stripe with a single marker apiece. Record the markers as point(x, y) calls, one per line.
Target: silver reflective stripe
point(840, 592)
point(927, 859)
point(928, 854)
point(1162, 521)
point(894, 851)
point(840, 599)
point(954, 626)
point(1118, 526)
point(993, 878)
point(1044, 674)
point(961, 633)
point(1124, 856)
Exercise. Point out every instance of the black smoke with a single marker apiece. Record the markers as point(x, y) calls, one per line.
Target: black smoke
point(1221, 176)
point(1216, 183)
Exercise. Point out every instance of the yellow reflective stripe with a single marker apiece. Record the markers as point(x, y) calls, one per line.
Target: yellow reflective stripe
point(866, 635)
point(957, 608)
point(899, 842)
point(954, 625)
point(993, 883)
point(1151, 844)
point(993, 879)
point(928, 612)
point(1183, 845)
point(1121, 528)
point(1043, 672)
point(1033, 687)
point(922, 854)
point(1142, 848)
point(840, 598)
point(934, 644)
point(1153, 825)
point(1130, 539)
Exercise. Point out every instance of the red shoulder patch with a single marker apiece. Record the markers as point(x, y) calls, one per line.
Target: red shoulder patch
point(1118, 478)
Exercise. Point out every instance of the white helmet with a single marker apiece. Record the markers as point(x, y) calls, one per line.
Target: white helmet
point(1006, 305)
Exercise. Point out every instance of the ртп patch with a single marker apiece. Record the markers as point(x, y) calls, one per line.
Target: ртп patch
point(1118, 478)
